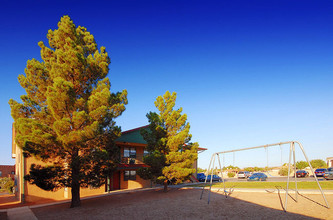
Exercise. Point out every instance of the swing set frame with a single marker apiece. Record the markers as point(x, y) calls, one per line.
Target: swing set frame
point(291, 154)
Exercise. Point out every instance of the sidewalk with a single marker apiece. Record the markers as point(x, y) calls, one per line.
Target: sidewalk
point(21, 213)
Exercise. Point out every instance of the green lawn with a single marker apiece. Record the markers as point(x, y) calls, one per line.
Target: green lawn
point(272, 185)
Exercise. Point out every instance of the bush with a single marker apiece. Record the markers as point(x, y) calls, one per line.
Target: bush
point(301, 164)
point(284, 171)
point(318, 163)
point(231, 174)
point(7, 183)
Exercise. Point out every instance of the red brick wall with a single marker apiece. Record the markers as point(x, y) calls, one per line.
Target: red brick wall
point(6, 171)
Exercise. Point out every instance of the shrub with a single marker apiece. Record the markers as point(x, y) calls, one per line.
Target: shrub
point(318, 163)
point(7, 183)
point(231, 174)
point(301, 164)
point(283, 171)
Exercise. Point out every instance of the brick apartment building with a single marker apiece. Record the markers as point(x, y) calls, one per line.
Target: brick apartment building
point(7, 171)
point(132, 149)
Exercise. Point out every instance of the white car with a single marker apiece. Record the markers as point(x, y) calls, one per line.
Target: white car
point(243, 174)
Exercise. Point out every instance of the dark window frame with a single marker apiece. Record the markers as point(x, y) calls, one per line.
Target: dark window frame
point(131, 175)
point(131, 152)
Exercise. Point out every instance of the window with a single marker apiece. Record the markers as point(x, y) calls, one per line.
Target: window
point(145, 152)
point(13, 172)
point(130, 152)
point(0, 173)
point(129, 175)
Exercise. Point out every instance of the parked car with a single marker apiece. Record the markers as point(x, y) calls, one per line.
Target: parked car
point(328, 175)
point(257, 177)
point(243, 174)
point(320, 172)
point(215, 178)
point(302, 173)
point(201, 177)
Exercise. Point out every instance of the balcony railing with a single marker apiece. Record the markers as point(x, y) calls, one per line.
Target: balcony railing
point(129, 160)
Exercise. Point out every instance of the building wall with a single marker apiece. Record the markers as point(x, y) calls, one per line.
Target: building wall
point(34, 193)
point(329, 161)
point(133, 184)
point(7, 171)
point(139, 182)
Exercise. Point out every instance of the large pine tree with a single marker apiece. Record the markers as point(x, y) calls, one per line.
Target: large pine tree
point(66, 118)
point(171, 154)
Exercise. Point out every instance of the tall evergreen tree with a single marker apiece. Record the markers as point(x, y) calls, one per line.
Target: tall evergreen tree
point(67, 116)
point(171, 153)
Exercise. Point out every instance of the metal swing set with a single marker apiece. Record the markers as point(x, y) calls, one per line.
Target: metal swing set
point(291, 154)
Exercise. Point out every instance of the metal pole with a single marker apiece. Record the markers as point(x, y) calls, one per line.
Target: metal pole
point(211, 179)
point(233, 159)
point(285, 204)
point(266, 158)
point(218, 157)
point(250, 148)
point(307, 160)
point(203, 187)
point(294, 156)
point(281, 153)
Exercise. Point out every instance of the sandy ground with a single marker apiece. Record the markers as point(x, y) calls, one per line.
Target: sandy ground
point(185, 204)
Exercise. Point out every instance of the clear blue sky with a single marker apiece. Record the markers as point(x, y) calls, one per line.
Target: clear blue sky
point(246, 73)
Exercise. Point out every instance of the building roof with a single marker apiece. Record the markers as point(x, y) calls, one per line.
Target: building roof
point(134, 136)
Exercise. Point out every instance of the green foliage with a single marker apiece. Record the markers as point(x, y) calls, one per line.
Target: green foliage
point(284, 171)
point(231, 174)
point(231, 167)
point(67, 116)
point(7, 184)
point(300, 165)
point(200, 170)
point(256, 169)
point(318, 163)
point(171, 153)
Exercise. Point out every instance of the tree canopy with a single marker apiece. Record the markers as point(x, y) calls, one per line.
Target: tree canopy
point(301, 165)
point(318, 163)
point(67, 116)
point(171, 154)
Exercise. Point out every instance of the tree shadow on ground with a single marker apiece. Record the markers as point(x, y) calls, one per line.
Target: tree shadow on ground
point(154, 204)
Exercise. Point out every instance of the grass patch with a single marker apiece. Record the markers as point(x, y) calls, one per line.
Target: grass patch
point(272, 185)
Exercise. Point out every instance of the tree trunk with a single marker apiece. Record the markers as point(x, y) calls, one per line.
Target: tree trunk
point(165, 183)
point(76, 202)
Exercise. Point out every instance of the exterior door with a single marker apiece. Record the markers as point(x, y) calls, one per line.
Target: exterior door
point(116, 180)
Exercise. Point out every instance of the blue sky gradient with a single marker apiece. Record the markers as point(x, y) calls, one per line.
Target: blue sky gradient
point(247, 73)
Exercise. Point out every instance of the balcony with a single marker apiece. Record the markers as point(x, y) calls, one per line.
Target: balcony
point(130, 160)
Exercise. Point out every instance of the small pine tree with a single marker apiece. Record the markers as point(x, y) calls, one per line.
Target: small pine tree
point(171, 153)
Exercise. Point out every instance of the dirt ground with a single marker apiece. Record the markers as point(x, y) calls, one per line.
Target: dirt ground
point(185, 204)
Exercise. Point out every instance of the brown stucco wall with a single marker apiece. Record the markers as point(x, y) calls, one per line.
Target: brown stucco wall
point(133, 184)
point(34, 193)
